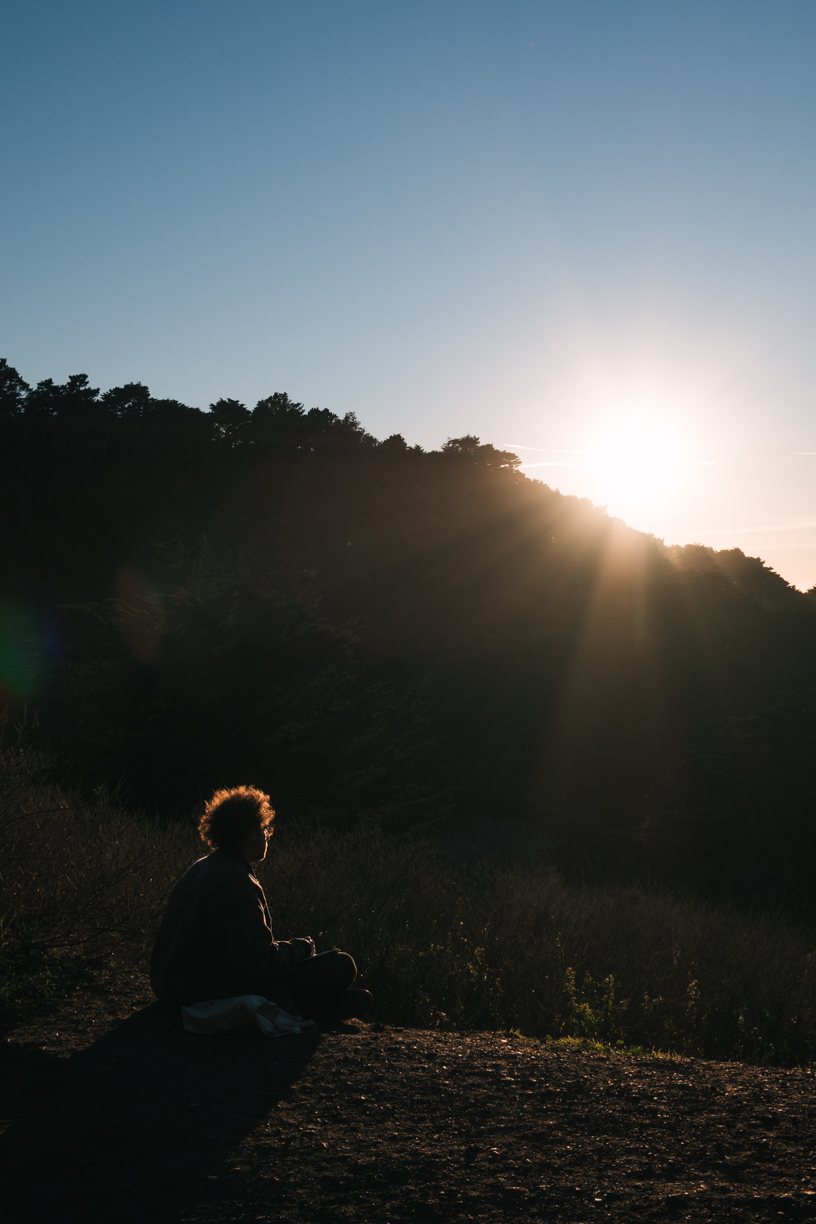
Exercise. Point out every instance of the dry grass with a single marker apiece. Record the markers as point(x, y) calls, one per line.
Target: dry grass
point(76, 875)
point(502, 947)
point(484, 946)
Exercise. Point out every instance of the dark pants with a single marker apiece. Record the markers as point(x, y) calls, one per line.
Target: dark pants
point(314, 983)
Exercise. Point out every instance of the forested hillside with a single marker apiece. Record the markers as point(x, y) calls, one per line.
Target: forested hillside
point(192, 599)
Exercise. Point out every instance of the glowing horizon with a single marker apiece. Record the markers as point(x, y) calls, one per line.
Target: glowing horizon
point(641, 480)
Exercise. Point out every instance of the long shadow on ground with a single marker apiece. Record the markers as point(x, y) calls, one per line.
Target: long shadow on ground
point(137, 1126)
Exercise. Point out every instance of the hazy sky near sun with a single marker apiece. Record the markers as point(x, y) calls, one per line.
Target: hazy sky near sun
point(582, 228)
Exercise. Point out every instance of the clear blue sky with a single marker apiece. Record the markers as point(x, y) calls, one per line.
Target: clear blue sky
point(585, 227)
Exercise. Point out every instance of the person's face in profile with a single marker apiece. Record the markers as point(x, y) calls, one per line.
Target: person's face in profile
point(256, 844)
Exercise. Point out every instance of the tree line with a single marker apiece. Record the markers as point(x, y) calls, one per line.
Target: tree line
point(192, 599)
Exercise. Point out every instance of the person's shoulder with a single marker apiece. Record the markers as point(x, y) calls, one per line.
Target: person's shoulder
point(219, 868)
point(212, 867)
point(222, 879)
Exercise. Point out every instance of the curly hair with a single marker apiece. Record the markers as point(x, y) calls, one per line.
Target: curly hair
point(231, 815)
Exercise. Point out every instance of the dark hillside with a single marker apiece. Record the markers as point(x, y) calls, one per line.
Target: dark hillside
point(363, 626)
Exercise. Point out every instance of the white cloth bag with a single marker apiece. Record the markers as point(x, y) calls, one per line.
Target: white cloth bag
point(243, 1014)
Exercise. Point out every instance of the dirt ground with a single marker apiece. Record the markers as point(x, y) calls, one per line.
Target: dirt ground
point(112, 1113)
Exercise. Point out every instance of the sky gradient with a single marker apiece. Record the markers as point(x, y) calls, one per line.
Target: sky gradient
point(582, 229)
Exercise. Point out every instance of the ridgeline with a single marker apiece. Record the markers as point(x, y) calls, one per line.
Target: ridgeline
point(193, 599)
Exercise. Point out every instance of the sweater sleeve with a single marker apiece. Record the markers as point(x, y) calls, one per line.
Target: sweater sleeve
point(242, 938)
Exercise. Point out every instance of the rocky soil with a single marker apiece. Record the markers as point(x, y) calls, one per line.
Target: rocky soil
point(111, 1113)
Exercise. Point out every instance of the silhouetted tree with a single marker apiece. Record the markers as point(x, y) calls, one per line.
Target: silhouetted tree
point(231, 420)
point(650, 705)
point(73, 401)
point(12, 391)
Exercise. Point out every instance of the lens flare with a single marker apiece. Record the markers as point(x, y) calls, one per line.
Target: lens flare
point(29, 645)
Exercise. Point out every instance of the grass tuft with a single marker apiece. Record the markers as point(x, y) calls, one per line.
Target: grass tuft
point(488, 946)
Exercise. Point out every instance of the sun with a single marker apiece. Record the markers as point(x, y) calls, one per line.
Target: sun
point(637, 460)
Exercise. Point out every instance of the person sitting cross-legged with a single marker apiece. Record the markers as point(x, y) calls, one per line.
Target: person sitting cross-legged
point(215, 940)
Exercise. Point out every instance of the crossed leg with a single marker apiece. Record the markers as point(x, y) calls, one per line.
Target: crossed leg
point(320, 988)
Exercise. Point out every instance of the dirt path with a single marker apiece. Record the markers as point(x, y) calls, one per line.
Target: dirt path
point(110, 1113)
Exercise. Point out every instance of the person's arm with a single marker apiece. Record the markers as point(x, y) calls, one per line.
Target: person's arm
point(243, 939)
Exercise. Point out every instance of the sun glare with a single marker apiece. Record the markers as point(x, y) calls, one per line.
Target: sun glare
point(637, 460)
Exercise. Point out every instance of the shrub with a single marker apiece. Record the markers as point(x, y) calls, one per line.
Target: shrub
point(76, 874)
point(483, 945)
point(496, 946)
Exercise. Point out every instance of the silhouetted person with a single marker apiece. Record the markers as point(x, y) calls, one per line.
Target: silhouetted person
point(215, 940)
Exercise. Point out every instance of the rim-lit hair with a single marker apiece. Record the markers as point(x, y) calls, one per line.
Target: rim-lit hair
point(231, 815)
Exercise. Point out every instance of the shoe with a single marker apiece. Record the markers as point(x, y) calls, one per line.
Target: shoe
point(350, 1004)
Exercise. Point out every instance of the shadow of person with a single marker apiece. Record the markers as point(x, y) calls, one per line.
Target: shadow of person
point(138, 1126)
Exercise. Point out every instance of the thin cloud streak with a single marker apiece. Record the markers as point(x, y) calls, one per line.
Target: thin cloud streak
point(715, 531)
point(556, 463)
point(545, 450)
point(556, 450)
